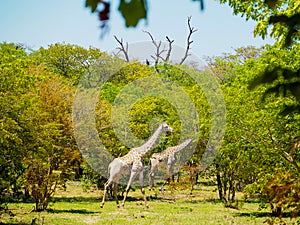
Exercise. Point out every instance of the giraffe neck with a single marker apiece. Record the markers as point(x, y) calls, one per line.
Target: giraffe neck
point(149, 145)
point(183, 145)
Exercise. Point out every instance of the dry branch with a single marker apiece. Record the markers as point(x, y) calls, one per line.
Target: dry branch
point(170, 49)
point(189, 42)
point(122, 48)
point(159, 52)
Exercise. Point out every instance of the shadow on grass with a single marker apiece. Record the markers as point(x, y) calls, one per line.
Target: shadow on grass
point(264, 214)
point(75, 199)
point(1, 223)
point(98, 199)
point(73, 211)
point(207, 183)
point(197, 201)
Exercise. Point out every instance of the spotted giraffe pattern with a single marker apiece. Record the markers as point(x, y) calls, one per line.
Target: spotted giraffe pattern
point(168, 157)
point(132, 163)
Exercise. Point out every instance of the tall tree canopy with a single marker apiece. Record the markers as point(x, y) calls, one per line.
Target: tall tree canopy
point(282, 19)
point(278, 18)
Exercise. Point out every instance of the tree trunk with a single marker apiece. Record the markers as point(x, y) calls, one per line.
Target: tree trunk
point(232, 192)
point(178, 176)
point(219, 183)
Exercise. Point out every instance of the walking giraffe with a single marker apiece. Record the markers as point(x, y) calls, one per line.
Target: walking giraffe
point(167, 157)
point(132, 163)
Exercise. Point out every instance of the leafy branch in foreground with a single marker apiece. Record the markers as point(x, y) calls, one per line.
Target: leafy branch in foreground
point(132, 11)
point(282, 19)
point(281, 76)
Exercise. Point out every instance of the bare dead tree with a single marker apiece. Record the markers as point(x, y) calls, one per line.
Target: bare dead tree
point(122, 48)
point(158, 55)
point(159, 52)
point(189, 42)
point(169, 50)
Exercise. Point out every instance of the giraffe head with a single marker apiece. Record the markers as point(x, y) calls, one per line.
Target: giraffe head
point(166, 128)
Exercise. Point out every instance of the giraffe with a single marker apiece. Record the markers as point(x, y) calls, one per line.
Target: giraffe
point(167, 157)
point(132, 163)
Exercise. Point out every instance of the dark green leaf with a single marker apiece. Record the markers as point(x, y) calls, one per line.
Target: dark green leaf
point(269, 76)
point(133, 11)
point(92, 4)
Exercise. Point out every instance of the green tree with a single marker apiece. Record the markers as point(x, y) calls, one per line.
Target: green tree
point(147, 112)
point(279, 17)
point(16, 86)
point(55, 156)
point(282, 19)
point(38, 149)
point(231, 167)
point(258, 145)
point(281, 76)
point(70, 61)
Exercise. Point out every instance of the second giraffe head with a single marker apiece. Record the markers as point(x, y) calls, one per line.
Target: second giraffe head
point(166, 128)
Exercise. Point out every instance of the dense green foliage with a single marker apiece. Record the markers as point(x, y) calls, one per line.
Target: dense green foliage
point(260, 152)
point(259, 144)
point(282, 16)
point(282, 19)
point(15, 120)
point(38, 150)
point(279, 19)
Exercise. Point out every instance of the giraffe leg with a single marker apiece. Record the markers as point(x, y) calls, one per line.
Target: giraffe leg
point(166, 180)
point(192, 179)
point(115, 187)
point(169, 172)
point(162, 188)
point(154, 164)
point(105, 191)
point(141, 178)
point(151, 179)
point(134, 172)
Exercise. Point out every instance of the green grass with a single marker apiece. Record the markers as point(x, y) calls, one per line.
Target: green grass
point(75, 206)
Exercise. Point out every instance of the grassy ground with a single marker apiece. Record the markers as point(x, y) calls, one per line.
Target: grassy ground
point(76, 206)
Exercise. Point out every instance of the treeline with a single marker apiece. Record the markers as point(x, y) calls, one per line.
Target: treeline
point(260, 153)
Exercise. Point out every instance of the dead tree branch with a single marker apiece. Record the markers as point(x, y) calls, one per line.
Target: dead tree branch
point(159, 52)
point(122, 48)
point(189, 42)
point(170, 49)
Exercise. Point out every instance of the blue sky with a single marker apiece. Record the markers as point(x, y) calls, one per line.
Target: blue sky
point(40, 23)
